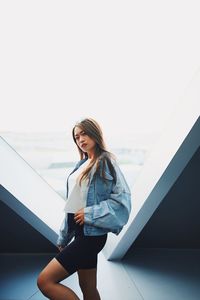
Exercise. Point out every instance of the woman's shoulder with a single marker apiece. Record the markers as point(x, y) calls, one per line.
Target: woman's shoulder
point(107, 157)
point(108, 166)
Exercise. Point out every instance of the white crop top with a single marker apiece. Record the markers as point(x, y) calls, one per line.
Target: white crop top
point(77, 193)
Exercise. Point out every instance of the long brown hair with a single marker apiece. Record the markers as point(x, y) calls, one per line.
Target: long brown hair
point(94, 131)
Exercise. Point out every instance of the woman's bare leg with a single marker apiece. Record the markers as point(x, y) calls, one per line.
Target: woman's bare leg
point(48, 282)
point(88, 284)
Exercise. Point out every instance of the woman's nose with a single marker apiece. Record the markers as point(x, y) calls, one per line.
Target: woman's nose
point(81, 140)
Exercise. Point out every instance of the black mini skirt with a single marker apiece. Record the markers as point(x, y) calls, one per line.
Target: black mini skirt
point(82, 252)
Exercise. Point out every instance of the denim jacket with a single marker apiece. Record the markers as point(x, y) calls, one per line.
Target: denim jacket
point(107, 208)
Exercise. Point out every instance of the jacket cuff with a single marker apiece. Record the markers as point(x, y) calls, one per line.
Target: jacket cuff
point(61, 242)
point(64, 241)
point(88, 215)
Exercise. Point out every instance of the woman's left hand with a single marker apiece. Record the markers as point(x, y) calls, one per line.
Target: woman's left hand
point(79, 216)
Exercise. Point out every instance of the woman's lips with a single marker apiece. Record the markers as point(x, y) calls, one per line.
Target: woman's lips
point(83, 145)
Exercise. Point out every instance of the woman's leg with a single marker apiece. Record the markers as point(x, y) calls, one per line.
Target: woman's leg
point(88, 284)
point(48, 282)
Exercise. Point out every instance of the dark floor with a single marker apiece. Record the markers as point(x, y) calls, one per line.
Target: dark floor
point(150, 274)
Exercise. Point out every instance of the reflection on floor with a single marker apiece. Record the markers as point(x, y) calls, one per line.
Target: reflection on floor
point(146, 274)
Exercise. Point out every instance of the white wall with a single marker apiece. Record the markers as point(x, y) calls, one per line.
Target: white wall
point(162, 153)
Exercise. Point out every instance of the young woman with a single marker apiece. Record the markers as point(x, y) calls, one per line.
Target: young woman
point(98, 202)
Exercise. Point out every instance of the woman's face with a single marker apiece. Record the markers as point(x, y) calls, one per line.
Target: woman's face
point(85, 143)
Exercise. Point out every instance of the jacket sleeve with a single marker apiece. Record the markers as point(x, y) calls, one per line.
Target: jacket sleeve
point(65, 235)
point(112, 213)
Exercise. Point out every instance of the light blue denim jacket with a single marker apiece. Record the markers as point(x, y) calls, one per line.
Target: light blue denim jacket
point(107, 208)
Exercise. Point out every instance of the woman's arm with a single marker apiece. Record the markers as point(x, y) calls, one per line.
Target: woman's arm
point(112, 213)
point(62, 236)
point(65, 234)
